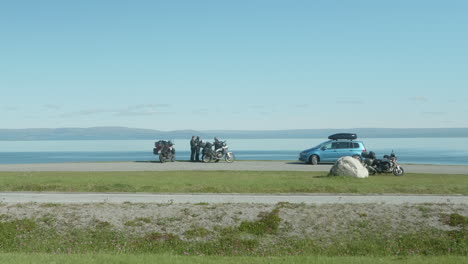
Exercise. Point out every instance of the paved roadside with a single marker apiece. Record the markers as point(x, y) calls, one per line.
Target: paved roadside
point(238, 165)
point(70, 198)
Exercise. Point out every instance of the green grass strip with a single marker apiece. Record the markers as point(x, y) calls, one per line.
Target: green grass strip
point(230, 182)
point(175, 259)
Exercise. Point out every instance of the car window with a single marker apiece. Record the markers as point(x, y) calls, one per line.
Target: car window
point(342, 145)
point(327, 146)
point(355, 145)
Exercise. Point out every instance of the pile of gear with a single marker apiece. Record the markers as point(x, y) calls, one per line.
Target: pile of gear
point(165, 150)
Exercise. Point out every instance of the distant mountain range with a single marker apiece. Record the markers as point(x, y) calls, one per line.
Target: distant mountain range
point(122, 133)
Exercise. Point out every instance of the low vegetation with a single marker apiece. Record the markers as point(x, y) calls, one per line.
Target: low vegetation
point(266, 235)
point(179, 259)
point(230, 182)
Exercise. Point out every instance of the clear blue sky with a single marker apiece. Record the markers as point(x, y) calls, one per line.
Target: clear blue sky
point(243, 64)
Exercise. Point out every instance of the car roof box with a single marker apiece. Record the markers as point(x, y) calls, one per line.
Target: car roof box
point(349, 136)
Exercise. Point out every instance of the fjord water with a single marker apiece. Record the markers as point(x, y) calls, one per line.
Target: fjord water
point(452, 151)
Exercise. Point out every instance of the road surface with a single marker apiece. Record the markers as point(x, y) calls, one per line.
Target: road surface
point(238, 165)
point(67, 198)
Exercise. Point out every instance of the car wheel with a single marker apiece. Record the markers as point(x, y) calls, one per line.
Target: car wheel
point(358, 158)
point(314, 159)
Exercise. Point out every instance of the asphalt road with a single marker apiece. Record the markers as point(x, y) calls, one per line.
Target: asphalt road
point(238, 165)
point(70, 198)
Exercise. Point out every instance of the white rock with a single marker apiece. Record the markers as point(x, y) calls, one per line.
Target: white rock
point(349, 166)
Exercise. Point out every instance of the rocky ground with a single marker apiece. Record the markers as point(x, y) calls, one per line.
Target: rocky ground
point(204, 221)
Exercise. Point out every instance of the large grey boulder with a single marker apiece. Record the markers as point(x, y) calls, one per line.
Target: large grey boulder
point(349, 166)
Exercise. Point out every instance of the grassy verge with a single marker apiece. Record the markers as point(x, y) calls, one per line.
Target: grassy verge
point(175, 259)
point(230, 182)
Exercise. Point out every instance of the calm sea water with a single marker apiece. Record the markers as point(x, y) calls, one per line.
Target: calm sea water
point(409, 150)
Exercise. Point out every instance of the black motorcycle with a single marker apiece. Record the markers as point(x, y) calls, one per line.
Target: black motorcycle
point(389, 164)
point(165, 150)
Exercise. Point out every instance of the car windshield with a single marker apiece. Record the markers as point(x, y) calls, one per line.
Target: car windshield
point(319, 145)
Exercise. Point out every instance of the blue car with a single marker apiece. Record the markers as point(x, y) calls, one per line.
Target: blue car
point(339, 145)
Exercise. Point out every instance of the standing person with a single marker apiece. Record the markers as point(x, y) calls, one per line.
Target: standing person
point(193, 148)
point(197, 149)
point(217, 144)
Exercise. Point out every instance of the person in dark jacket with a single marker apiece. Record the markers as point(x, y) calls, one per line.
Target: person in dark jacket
point(197, 149)
point(193, 148)
point(217, 144)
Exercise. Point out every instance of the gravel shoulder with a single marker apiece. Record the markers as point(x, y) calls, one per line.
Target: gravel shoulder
point(236, 166)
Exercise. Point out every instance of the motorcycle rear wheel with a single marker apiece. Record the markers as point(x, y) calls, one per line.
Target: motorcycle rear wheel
point(371, 171)
point(358, 158)
point(206, 158)
point(398, 171)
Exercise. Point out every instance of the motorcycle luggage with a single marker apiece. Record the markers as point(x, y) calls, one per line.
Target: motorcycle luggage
point(349, 136)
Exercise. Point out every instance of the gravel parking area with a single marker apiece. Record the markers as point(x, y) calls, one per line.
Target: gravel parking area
point(238, 165)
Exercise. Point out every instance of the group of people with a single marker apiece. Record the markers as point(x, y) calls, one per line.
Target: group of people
point(196, 144)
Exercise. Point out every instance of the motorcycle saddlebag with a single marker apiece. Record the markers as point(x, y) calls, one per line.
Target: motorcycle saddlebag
point(349, 136)
point(155, 151)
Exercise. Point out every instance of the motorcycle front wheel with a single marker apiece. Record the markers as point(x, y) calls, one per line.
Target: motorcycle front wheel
point(230, 157)
point(398, 171)
point(162, 159)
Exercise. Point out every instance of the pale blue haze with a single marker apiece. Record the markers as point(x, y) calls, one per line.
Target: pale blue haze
point(244, 64)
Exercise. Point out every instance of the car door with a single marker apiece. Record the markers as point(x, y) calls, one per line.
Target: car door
point(328, 152)
point(346, 149)
point(341, 149)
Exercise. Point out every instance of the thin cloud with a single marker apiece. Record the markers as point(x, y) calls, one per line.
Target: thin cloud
point(418, 99)
point(146, 106)
point(351, 102)
point(88, 112)
point(10, 108)
point(133, 110)
point(434, 113)
point(52, 106)
point(138, 113)
point(257, 107)
point(201, 111)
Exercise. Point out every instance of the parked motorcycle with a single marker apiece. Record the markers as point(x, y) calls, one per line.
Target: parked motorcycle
point(389, 164)
point(216, 155)
point(165, 150)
